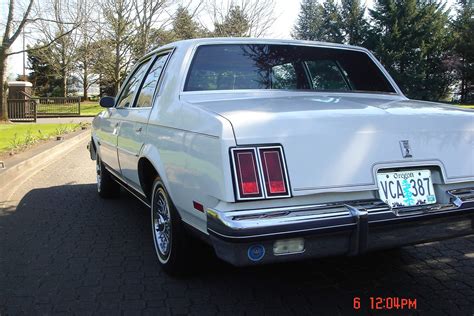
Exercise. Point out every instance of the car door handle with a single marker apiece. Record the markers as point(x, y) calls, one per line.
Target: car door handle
point(138, 130)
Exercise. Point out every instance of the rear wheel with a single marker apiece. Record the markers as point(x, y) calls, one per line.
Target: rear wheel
point(169, 236)
point(106, 185)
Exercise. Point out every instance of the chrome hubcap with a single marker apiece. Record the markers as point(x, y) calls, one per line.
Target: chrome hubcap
point(161, 224)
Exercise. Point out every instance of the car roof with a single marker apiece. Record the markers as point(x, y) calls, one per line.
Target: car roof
point(249, 40)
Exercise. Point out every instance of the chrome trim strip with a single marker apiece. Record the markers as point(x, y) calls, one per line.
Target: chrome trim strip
point(280, 220)
point(283, 232)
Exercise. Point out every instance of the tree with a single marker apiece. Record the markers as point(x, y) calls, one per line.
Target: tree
point(332, 22)
point(255, 17)
point(463, 27)
point(119, 34)
point(10, 34)
point(319, 22)
point(42, 75)
point(353, 22)
point(411, 39)
point(148, 13)
point(235, 24)
point(61, 53)
point(184, 26)
point(309, 23)
point(88, 51)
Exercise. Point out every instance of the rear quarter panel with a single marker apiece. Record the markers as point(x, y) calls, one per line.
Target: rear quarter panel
point(188, 147)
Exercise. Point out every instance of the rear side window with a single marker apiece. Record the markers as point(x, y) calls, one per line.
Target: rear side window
point(327, 75)
point(145, 97)
point(288, 67)
point(284, 77)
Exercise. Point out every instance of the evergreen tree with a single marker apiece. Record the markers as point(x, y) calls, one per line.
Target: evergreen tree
point(43, 75)
point(319, 22)
point(309, 23)
point(463, 27)
point(331, 22)
point(411, 39)
point(354, 24)
point(235, 24)
point(184, 27)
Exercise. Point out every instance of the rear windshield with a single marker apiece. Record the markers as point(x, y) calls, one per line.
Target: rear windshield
point(287, 67)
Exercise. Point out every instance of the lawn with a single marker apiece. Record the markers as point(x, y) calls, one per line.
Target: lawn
point(90, 108)
point(14, 137)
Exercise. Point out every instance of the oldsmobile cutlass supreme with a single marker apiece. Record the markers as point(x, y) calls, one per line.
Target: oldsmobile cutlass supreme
point(275, 150)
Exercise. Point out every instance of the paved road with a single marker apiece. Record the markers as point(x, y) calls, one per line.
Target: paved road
point(63, 250)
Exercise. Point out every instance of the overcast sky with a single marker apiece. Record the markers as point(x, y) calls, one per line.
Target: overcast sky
point(286, 13)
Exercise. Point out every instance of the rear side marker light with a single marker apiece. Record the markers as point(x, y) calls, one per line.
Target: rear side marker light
point(198, 206)
point(247, 173)
point(274, 171)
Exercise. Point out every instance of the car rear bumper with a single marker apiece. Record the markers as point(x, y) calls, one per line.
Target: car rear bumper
point(345, 228)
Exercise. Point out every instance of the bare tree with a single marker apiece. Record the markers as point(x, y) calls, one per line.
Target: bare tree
point(118, 34)
point(10, 34)
point(60, 17)
point(149, 13)
point(258, 13)
point(89, 51)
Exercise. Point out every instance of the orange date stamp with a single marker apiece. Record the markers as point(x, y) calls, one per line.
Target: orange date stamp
point(385, 303)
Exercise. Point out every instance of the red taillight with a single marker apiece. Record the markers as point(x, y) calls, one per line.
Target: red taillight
point(247, 175)
point(260, 173)
point(274, 173)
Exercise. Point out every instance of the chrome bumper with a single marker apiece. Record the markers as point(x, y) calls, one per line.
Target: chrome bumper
point(351, 227)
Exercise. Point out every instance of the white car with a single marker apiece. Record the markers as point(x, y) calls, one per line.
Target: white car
point(277, 150)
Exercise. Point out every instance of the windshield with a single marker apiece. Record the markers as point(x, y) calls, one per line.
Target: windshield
point(288, 67)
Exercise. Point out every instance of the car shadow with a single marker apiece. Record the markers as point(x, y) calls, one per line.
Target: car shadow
point(65, 245)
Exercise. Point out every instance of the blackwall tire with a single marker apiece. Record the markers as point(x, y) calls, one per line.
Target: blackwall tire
point(107, 187)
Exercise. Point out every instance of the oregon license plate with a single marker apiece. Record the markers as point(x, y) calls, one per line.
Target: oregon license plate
point(406, 188)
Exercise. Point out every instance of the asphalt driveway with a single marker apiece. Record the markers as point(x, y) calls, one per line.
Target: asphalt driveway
point(64, 250)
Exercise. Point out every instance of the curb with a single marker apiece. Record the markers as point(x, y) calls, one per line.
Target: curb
point(11, 178)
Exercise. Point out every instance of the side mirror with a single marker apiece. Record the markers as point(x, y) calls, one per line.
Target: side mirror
point(107, 102)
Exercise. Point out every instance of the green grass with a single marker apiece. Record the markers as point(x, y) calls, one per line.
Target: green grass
point(15, 137)
point(469, 106)
point(87, 108)
point(90, 108)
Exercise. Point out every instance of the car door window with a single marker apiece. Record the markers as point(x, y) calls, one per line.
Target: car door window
point(145, 97)
point(131, 87)
point(327, 75)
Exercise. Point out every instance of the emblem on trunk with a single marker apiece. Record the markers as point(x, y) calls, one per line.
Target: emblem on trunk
point(405, 148)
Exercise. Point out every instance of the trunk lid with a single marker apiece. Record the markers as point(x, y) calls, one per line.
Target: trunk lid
point(338, 141)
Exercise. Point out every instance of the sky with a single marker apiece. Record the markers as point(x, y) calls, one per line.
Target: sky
point(286, 13)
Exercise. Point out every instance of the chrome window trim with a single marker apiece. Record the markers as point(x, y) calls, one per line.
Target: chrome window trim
point(297, 43)
point(157, 91)
point(127, 79)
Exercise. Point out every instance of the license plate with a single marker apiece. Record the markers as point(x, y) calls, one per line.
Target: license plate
point(406, 188)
